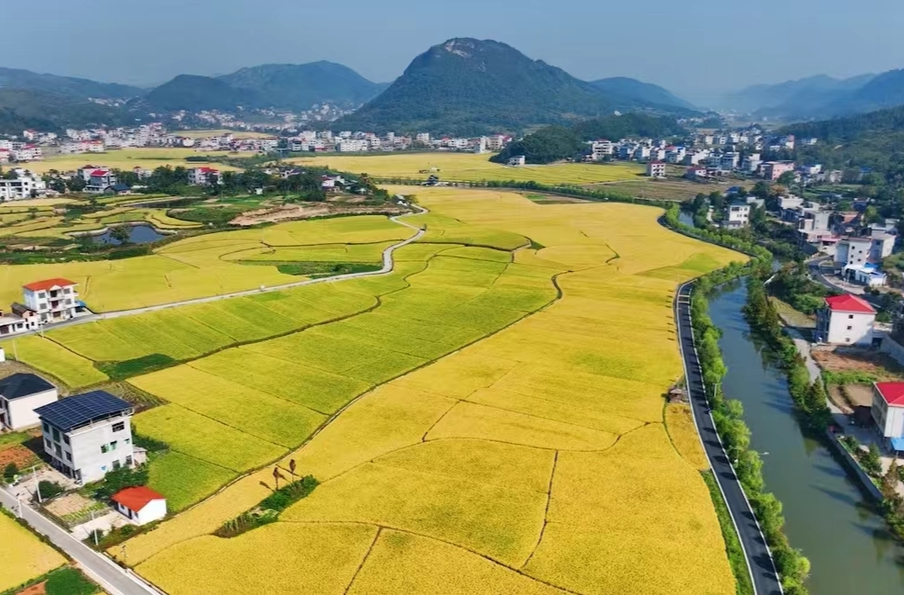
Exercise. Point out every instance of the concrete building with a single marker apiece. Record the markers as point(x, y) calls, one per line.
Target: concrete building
point(774, 169)
point(881, 246)
point(53, 300)
point(656, 169)
point(853, 251)
point(99, 180)
point(737, 215)
point(26, 185)
point(517, 161)
point(845, 320)
point(88, 435)
point(600, 149)
point(888, 412)
point(20, 395)
point(203, 176)
point(140, 504)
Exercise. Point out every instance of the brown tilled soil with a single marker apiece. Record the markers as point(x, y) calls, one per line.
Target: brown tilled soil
point(309, 210)
point(37, 589)
point(859, 394)
point(860, 360)
point(20, 455)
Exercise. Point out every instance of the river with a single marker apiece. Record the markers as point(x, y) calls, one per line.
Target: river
point(827, 516)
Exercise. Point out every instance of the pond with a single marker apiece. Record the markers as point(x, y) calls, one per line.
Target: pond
point(138, 234)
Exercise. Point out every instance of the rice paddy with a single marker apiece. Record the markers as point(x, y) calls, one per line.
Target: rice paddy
point(470, 167)
point(492, 422)
point(24, 556)
point(127, 159)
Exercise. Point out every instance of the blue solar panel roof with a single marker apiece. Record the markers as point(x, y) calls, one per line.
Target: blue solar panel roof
point(79, 410)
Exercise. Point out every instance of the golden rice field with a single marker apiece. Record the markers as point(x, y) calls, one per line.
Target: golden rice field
point(470, 167)
point(237, 134)
point(127, 159)
point(24, 556)
point(202, 266)
point(495, 424)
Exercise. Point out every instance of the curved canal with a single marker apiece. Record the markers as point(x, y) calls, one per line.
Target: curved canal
point(826, 514)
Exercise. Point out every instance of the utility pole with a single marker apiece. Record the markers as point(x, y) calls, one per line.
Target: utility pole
point(37, 485)
point(95, 529)
point(19, 505)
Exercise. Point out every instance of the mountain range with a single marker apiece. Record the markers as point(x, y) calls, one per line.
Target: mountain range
point(467, 86)
point(463, 86)
point(820, 96)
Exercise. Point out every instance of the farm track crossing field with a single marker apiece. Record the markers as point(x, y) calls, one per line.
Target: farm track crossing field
point(535, 460)
point(470, 167)
point(203, 265)
point(24, 556)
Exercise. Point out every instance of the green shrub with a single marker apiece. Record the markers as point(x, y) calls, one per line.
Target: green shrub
point(69, 581)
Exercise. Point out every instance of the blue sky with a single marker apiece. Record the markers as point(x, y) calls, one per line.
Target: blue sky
point(697, 49)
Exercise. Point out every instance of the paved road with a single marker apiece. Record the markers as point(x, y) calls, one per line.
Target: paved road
point(111, 577)
point(387, 268)
point(759, 560)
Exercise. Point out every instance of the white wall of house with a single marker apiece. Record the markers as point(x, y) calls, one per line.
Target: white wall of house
point(890, 419)
point(92, 450)
point(152, 511)
point(20, 413)
point(849, 328)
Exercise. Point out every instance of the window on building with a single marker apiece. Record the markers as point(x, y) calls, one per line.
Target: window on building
point(113, 445)
point(46, 428)
point(68, 457)
point(850, 328)
point(850, 317)
point(104, 448)
point(56, 435)
point(129, 460)
point(116, 464)
point(65, 439)
point(47, 443)
point(119, 426)
point(58, 450)
point(128, 441)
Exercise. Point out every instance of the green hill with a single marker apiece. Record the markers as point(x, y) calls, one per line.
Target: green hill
point(627, 90)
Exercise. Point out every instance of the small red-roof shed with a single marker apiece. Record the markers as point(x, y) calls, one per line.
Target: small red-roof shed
point(136, 498)
point(48, 284)
point(849, 303)
point(892, 392)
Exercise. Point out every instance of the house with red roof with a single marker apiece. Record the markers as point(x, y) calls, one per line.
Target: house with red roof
point(99, 180)
point(53, 300)
point(203, 176)
point(888, 412)
point(846, 320)
point(140, 504)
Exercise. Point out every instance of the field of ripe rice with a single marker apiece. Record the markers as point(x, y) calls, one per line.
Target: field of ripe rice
point(533, 457)
point(127, 159)
point(470, 167)
point(203, 265)
point(24, 556)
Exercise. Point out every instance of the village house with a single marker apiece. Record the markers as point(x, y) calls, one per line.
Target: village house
point(20, 395)
point(25, 185)
point(656, 169)
point(888, 412)
point(203, 176)
point(53, 300)
point(21, 319)
point(140, 504)
point(845, 320)
point(518, 161)
point(737, 215)
point(773, 170)
point(99, 180)
point(88, 435)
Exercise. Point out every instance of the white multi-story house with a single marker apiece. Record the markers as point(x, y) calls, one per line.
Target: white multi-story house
point(495, 142)
point(53, 300)
point(517, 161)
point(737, 215)
point(845, 320)
point(422, 137)
point(888, 412)
point(88, 435)
point(20, 395)
point(602, 148)
point(99, 180)
point(28, 153)
point(353, 146)
point(26, 185)
point(881, 246)
point(853, 252)
point(656, 169)
point(202, 176)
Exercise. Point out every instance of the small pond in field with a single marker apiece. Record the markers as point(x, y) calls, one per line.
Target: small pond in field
point(138, 234)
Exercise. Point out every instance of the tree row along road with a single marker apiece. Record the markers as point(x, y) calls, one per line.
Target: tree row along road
point(759, 558)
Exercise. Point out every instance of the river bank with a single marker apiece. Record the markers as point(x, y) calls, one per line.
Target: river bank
point(826, 514)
